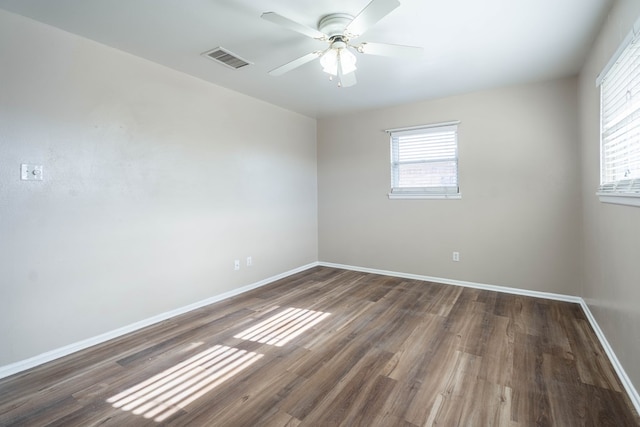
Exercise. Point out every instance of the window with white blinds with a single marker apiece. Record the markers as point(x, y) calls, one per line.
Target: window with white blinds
point(620, 126)
point(424, 161)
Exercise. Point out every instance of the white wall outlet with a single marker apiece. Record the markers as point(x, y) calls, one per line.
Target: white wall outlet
point(236, 264)
point(249, 261)
point(31, 172)
point(456, 256)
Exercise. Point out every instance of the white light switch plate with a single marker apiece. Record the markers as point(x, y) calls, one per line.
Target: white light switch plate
point(31, 172)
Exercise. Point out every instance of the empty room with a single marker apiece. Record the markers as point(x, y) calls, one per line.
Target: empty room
point(319, 213)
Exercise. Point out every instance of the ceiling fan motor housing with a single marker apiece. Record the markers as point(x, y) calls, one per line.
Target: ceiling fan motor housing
point(334, 24)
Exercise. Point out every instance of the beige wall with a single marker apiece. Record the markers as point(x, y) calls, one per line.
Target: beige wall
point(154, 183)
point(611, 232)
point(518, 223)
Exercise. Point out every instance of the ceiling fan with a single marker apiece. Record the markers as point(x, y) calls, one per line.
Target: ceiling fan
point(339, 29)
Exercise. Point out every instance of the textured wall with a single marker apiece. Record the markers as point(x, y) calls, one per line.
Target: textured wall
point(518, 223)
point(611, 232)
point(154, 183)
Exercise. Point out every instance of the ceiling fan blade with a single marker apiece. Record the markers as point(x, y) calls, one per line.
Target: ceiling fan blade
point(347, 80)
point(372, 13)
point(393, 50)
point(293, 25)
point(295, 63)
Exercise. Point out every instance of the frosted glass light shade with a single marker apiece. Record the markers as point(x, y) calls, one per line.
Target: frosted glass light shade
point(329, 62)
point(347, 60)
point(333, 57)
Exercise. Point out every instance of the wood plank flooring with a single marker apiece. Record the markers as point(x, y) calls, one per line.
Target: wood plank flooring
point(329, 347)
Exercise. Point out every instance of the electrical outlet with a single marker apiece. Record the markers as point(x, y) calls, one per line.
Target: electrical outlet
point(249, 261)
point(236, 265)
point(456, 256)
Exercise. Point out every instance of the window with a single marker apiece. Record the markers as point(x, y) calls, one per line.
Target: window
point(424, 162)
point(620, 126)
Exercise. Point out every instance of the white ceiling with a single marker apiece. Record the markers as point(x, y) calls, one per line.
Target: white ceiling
point(468, 44)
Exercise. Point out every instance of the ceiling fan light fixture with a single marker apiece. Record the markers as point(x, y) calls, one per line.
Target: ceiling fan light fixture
point(334, 57)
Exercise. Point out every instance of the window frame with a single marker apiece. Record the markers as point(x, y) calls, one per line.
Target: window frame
point(431, 192)
point(620, 191)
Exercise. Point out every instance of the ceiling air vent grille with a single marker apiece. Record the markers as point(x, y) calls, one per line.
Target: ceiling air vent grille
point(226, 58)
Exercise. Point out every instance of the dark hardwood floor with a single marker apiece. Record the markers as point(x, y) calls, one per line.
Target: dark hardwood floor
point(332, 347)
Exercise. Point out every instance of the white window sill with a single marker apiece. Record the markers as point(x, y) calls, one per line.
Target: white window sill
point(424, 196)
point(620, 199)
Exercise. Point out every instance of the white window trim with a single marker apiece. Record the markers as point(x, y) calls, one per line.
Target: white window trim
point(425, 193)
point(417, 196)
point(617, 197)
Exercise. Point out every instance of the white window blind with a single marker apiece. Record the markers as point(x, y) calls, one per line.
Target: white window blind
point(424, 161)
point(620, 124)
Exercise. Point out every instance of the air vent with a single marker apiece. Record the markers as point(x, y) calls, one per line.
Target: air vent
point(225, 57)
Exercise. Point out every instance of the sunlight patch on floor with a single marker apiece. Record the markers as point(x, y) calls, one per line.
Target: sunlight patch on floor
point(164, 394)
point(281, 328)
point(170, 391)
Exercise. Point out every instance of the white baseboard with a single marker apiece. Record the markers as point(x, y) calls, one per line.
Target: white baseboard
point(624, 378)
point(40, 359)
point(622, 375)
point(503, 289)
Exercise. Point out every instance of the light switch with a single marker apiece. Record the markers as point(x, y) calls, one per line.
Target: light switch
point(31, 172)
